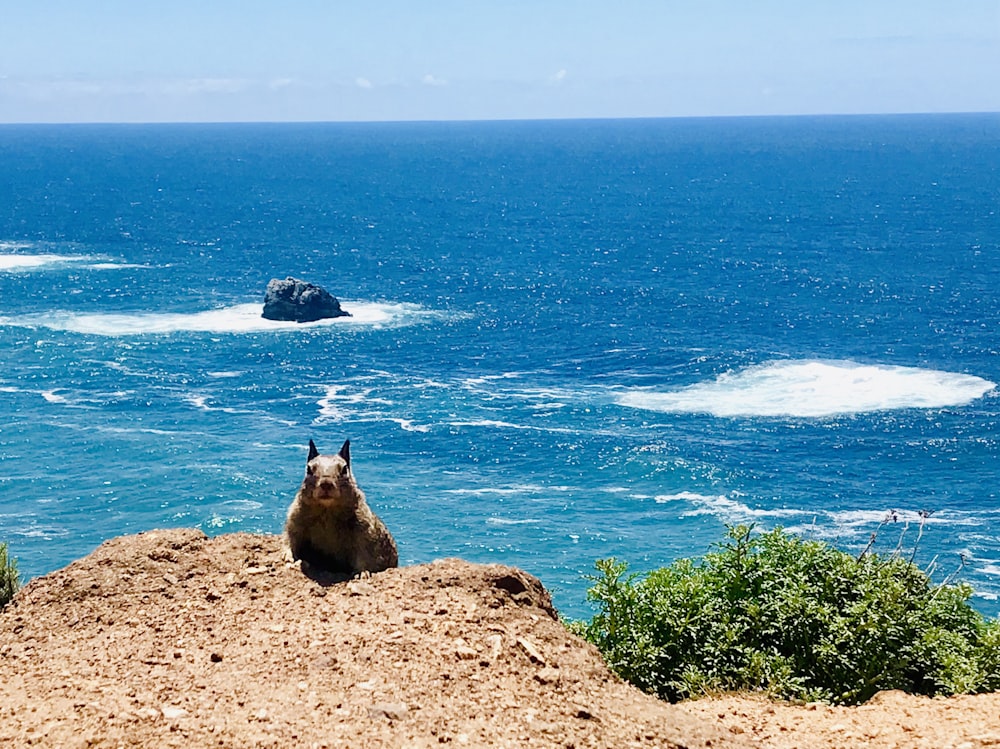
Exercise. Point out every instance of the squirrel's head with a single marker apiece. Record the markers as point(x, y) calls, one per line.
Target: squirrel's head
point(328, 478)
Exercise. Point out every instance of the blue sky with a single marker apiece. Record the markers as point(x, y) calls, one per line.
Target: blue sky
point(222, 60)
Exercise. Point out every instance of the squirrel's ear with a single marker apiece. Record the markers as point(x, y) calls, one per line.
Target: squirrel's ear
point(313, 452)
point(345, 452)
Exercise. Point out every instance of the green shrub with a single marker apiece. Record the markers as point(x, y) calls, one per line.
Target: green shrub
point(794, 618)
point(9, 581)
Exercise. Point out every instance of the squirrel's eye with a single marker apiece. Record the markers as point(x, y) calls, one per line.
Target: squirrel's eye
point(309, 470)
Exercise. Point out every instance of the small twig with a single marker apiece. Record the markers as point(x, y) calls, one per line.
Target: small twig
point(961, 566)
point(924, 514)
point(898, 551)
point(931, 566)
point(871, 542)
point(891, 515)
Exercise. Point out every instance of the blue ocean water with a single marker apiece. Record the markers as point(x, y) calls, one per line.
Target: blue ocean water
point(571, 340)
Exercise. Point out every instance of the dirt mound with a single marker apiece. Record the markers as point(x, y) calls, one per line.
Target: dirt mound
point(170, 638)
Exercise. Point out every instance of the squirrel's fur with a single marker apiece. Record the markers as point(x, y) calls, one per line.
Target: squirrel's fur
point(330, 525)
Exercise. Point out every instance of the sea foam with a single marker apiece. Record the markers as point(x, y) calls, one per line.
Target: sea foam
point(813, 389)
point(15, 262)
point(816, 522)
point(24, 262)
point(240, 318)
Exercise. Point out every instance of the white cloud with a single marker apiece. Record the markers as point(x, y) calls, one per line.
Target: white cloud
point(363, 83)
point(559, 76)
point(430, 80)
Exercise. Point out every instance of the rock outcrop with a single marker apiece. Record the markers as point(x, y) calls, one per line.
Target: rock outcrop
point(294, 300)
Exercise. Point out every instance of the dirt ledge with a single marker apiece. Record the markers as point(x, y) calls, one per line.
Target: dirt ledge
point(173, 639)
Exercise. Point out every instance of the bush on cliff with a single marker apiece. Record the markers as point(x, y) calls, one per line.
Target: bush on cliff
point(9, 581)
point(797, 619)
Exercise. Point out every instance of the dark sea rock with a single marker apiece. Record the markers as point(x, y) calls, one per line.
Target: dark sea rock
point(300, 301)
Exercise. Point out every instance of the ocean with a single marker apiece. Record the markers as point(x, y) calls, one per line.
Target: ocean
point(570, 340)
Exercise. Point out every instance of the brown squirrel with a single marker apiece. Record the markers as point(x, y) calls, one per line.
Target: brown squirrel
point(330, 525)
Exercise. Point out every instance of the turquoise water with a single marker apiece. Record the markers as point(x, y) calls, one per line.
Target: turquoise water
point(570, 340)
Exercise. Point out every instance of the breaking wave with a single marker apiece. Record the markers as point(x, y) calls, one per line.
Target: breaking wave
point(814, 389)
point(831, 524)
point(16, 262)
point(240, 318)
point(27, 262)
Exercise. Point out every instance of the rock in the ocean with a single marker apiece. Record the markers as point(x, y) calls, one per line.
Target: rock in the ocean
point(291, 299)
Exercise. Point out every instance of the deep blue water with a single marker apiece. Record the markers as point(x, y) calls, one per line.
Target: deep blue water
point(571, 340)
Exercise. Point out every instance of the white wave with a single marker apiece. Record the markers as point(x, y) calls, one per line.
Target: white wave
point(497, 424)
point(991, 568)
point(145, 430)
point(512, 490)
point(216, 521)
point(488, 423)
point(484, 379)
point(494, 520)
point(688, 497)
point(728, 508)
point(24, 262)
point(339, 394)
point(62, 396)
point(116, 266)
point(240, 318)
point(43, 534)
point(814, 389)
point(201, 403)
point(245, 505)
point(861, 523)
point(408, 426)
point(338, 404)
point(198, 401)
point(431, 384)
point(547, 406)
point(819, 523)
point(498, 491)
point(870, 518)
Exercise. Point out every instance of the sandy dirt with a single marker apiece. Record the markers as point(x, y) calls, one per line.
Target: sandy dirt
point(172, 639)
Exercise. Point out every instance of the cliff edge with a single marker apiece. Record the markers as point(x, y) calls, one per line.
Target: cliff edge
point(173, 639)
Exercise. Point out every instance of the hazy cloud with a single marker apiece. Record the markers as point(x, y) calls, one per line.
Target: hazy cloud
point(559, 76)
point(190, 86)
point(363, 83)
point(430, 80)
point(82, 88)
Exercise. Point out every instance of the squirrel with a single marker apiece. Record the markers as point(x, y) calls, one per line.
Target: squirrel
point(330, 526)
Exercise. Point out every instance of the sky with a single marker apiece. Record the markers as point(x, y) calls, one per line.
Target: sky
point(372, 60)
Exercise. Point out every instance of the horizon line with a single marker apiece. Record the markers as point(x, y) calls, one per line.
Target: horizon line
point(485, 120)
